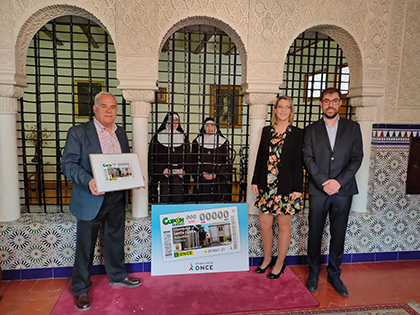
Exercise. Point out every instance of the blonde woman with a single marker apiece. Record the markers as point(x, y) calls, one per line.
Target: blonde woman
point(277, 181)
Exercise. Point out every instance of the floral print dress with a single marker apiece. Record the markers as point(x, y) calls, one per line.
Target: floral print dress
point(269, 201)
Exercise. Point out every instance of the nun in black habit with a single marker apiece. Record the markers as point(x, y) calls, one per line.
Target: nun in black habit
point(169, 153)
point(210, 163)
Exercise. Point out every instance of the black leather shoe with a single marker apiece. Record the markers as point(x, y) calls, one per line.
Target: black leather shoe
point(262, 270)
point(312, 281)
point(338, 285)
point(128, 282)
point(275, 276)
point(82, 302)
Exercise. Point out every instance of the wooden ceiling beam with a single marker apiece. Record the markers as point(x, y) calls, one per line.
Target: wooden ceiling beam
point(51, 35)
point(230, 50)
point(86, 31)
point(202, 43)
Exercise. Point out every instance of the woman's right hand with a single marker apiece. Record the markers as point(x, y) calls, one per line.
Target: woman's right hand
point(255, 189)
point(166, 172)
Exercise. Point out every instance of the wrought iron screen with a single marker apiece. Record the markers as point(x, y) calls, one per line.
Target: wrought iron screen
point(199, 77)
point(314, 63)
point(69, 60)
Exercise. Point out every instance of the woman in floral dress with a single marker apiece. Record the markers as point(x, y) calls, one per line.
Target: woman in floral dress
point(278, 182)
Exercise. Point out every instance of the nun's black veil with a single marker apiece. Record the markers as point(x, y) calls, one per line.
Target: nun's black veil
point(203, 127)
point(163, 126)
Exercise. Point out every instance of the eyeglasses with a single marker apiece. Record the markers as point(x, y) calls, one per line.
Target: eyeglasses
point(334, 101)
point(283, 107)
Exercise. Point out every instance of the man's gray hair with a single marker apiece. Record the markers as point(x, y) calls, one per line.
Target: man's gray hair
point(103, 93)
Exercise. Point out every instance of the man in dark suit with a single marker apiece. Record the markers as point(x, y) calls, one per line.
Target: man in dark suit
point(332, 154)
point(92, 208)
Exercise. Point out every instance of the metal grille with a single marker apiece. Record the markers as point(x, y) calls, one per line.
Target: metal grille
point(314, 62)
point(199, 77)
point(69, 61)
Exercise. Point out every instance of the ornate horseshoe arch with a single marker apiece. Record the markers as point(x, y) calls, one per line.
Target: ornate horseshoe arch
point(34, 23)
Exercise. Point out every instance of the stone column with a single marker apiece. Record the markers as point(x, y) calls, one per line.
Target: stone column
point(366, 109)
point(9, 181)
point(140, 110)
point(258, 114)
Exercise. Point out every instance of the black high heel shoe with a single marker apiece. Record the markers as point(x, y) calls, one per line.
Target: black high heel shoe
point(275, 276)
point(262, 270)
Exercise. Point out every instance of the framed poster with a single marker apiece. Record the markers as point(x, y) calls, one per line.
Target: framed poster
point(199, 238)
point(226, 105)
point(85, 92)
point(116, 171)
point(161, 95)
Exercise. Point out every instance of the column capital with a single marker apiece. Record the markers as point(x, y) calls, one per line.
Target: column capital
point(366, 101)
point(8, 106)
point(366, 113)
point(139, 101)
point(140, 109)
point(259, 111)
point(259, 98)
point(257, 102)
point(11, 91)
point(8, 98)
point(137, 95)
point(366, 107)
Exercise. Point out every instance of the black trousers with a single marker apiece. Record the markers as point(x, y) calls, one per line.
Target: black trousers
point(112, 215)
point(338, 208)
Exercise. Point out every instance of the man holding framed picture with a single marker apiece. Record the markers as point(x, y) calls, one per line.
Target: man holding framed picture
point(92, 208)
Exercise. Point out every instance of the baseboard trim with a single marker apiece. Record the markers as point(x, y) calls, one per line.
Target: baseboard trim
point(66, 272)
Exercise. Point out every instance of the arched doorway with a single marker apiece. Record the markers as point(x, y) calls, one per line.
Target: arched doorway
point(200, 76)
point(69, 60)
point(314, 62)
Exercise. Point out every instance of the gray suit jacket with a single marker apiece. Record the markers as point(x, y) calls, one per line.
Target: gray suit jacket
point(340, 163)
point(83, 140)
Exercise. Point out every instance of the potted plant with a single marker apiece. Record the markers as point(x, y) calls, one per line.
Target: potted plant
point(31, 134)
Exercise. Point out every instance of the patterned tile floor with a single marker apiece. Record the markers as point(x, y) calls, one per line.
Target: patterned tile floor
point(368, 284)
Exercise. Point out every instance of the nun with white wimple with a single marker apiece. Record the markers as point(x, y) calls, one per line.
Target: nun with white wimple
point(210, 161)
point(168, 160)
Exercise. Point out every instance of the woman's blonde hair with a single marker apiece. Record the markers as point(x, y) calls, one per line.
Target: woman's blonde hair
point(292, 109)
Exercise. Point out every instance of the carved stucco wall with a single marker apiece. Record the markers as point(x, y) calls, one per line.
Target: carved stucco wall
point(102, 9)
point(403, 76)
point(144, 25)
point(395, 53)
point(6, 39)
point(409, 84)
point(403, 96)
point(379, 38)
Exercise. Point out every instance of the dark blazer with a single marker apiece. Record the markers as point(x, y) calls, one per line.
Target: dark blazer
point(340, 163)
point(290, 169)
point(83, 140)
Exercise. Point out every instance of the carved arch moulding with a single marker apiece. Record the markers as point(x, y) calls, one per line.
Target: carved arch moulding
point(206, 20)
point(39, 19)
point(348, 42)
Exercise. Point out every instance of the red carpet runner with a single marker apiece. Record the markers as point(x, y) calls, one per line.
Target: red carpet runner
point(216, 293)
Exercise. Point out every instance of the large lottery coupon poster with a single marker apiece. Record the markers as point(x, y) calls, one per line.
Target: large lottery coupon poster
point(199, 238)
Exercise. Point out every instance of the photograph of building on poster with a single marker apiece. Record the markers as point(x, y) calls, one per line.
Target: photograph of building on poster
point(201, 236)
point(115, 173)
